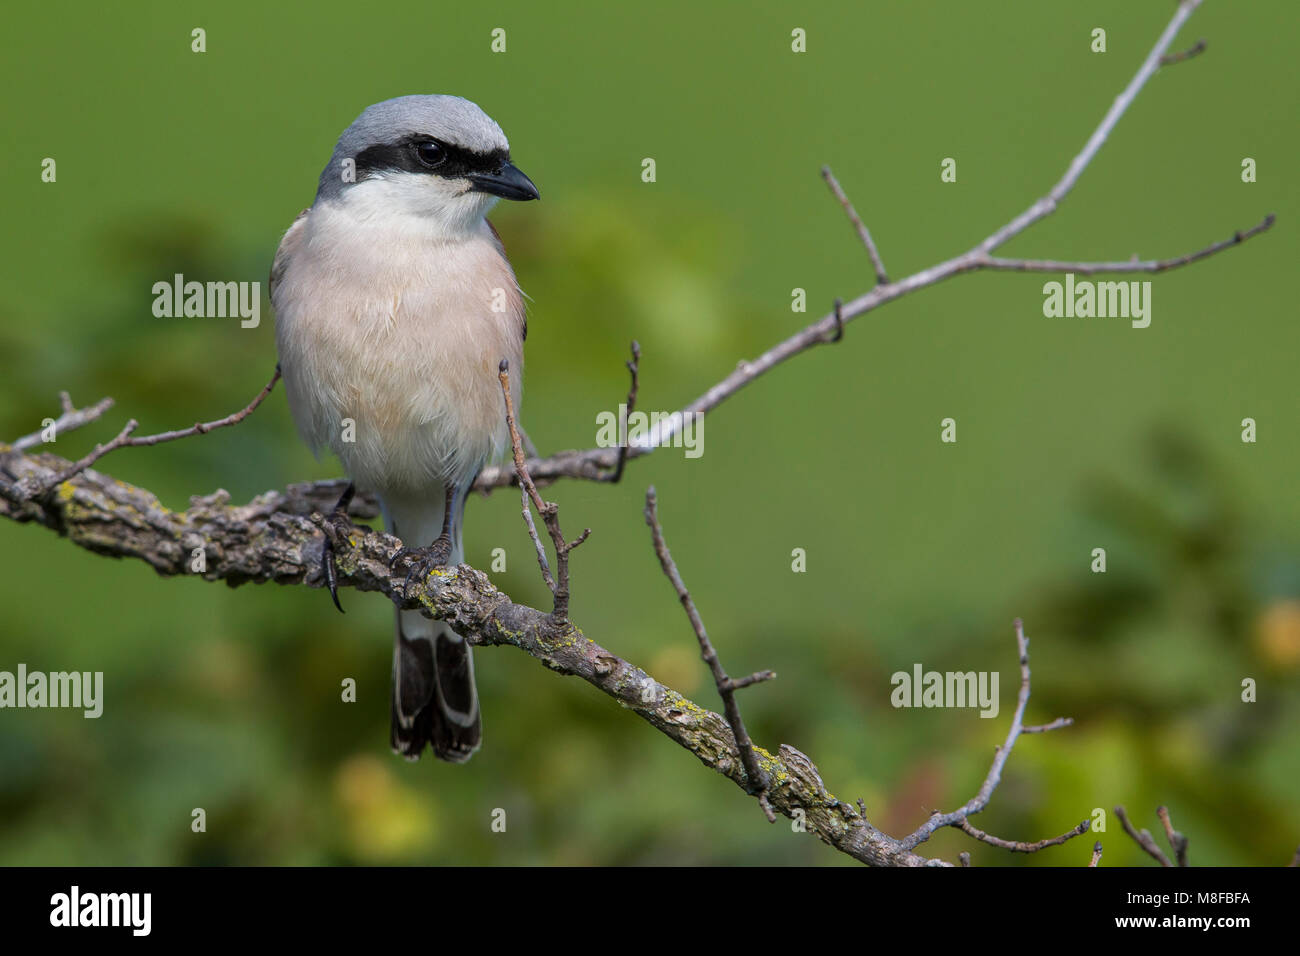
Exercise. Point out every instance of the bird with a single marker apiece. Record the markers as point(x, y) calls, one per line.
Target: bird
point(395, 305)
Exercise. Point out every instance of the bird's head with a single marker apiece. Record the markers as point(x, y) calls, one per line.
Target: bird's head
point(436, 158)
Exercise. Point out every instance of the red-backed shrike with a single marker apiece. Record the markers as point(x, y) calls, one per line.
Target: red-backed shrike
point(394, 305)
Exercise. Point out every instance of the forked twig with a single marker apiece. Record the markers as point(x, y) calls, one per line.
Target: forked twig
point(124, 439)
point(978, 802)
point(558, 583)
point(726, 686)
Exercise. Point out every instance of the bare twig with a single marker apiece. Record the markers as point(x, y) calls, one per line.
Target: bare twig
point(124, 439)
point(1047, 205)
point(1017, 847)
point(1195, 50)
point(1177, 841)
point(549, 510)
point(1057, 724)
point(634, 368)
point(755, 678)
point(859, 226)
point(71, 419)
point(1142, 839)
point(594, 464)
point(537, 542)
point(978, 802)
point(1131, 265)
point(1295, 859)
point(758, 781)
point(1096, 854)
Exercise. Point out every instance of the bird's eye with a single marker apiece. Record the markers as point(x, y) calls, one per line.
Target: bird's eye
point(430, 154)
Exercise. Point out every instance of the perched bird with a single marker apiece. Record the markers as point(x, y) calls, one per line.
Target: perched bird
point(394, 305)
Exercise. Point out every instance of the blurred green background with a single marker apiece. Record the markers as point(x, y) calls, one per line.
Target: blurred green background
point(1073, 433)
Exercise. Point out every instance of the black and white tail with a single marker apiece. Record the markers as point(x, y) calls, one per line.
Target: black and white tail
point(434, 697)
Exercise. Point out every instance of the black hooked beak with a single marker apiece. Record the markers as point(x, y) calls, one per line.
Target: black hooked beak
point(508, 182)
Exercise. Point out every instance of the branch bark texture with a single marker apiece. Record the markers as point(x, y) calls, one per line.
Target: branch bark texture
point(278, 537)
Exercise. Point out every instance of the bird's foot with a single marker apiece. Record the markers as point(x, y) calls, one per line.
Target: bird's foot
point(340, 526)
point(423, 560)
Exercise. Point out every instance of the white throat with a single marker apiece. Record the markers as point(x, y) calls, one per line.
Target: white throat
point(419, 205)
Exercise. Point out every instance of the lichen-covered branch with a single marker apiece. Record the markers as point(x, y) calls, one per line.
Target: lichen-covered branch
point(279, 536)
point(274, 538)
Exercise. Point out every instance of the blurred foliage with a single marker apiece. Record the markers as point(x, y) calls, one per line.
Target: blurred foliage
point(1074, 434)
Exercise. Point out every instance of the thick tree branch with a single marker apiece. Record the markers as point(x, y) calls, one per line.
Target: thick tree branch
point(273, 538)
point(277, 537)
point(280, 537)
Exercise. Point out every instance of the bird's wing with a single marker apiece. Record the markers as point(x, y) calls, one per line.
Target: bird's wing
point(496, 235)
point(287, 246)
point(501, 247)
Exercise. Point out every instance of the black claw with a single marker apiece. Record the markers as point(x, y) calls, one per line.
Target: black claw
point(340, 521)
point(331, 576)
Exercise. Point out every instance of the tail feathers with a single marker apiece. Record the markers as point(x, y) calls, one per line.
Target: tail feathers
point(434, 697)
